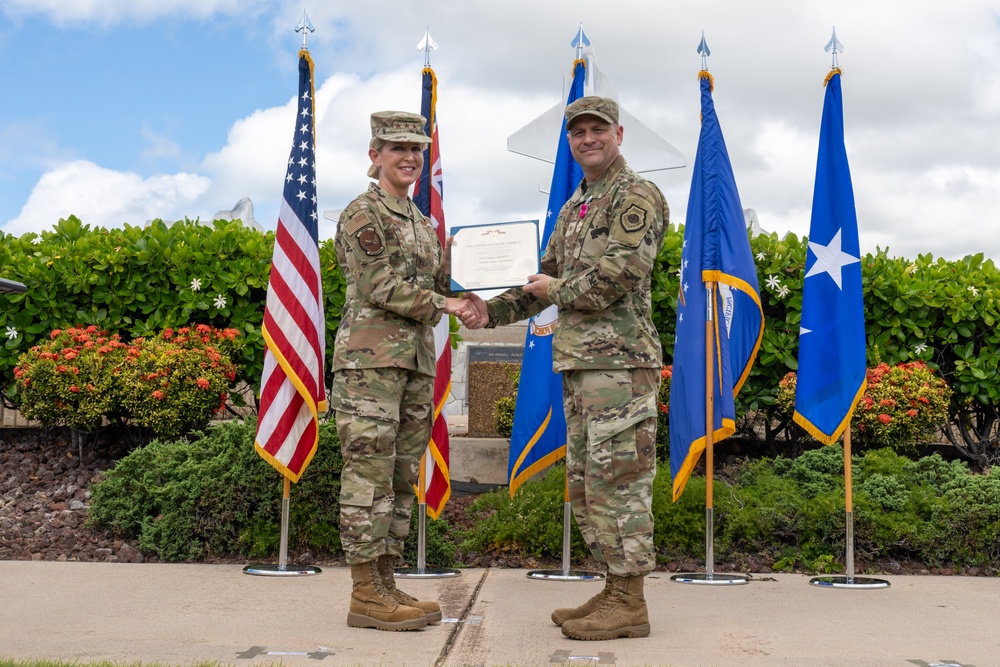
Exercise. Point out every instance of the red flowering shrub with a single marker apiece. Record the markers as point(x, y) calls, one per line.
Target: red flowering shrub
point(179, 379)
point(170, 384)
point(902, 406)
point(68, 379)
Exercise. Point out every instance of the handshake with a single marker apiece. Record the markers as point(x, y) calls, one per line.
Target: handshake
point(470, 308)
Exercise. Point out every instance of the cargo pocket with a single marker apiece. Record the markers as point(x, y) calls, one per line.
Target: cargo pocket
point(635, 530)
point(357, 496)
point(613, 434)
point(356, 492)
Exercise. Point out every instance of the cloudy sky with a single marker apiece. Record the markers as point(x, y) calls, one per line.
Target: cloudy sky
point(126, 110)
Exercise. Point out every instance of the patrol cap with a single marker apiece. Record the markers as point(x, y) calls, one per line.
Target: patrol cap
point(399, 126)
point(604, 108)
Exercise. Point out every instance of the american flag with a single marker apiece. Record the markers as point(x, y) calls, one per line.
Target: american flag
point(434, 480)
point(292, 389)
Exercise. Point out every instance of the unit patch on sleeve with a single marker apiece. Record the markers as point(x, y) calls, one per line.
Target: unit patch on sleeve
point(370, 241)
point(632, 225)
point(633, 219)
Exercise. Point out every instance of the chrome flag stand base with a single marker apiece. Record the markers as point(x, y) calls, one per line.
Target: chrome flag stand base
point(709, 577)
point(282, 569)
point(842, 581)
point(565, 574)
point(421, 571)
point(849, 580)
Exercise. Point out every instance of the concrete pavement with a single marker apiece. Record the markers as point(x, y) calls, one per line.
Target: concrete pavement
point(181, 614)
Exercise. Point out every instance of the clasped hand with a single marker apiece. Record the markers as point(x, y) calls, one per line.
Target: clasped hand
point(471, 309)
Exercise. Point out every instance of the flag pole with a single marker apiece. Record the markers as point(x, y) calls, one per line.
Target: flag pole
point(708, 269)
point(421, 571)
point(848, 580)
point(709, 435)
point(282, 568)
point(709, 577)
point(566, 573)
point(834, 47)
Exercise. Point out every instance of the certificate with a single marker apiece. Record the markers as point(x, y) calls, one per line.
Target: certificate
point(494, 256)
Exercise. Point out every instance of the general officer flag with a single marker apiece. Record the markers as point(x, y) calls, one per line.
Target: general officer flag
point(716, 250)
point(292, 388)
point(831, 374)
point(429, 198)
point(538, 437)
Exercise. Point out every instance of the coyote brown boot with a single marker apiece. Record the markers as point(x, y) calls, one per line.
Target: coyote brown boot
point(563, 614)
point(622, 613)
point(373, 607)
point(431, 609)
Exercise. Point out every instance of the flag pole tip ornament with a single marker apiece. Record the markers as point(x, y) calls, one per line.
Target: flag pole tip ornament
point(427, 44)
point(305, 26)
point(833, 47)
point(580, 41)
point(704, 51)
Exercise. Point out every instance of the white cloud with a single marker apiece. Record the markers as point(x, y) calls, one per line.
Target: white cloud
point(920, 96)
point(105, 198)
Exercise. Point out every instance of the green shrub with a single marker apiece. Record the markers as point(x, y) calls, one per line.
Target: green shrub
point(663, 416)
point(440, 545)
point(529, 523)
point(503, 409)
point(189, 500)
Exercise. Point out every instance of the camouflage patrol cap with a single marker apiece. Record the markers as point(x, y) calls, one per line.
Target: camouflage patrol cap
point(604, 108)
point(399, 126)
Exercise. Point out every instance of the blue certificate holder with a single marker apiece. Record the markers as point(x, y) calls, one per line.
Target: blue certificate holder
point(495, 256)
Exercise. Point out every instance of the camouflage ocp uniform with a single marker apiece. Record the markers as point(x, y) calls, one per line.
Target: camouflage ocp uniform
point(601, 254)
point(384, 363)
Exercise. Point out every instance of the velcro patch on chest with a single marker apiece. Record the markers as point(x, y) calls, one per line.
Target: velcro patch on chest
point(370, 241)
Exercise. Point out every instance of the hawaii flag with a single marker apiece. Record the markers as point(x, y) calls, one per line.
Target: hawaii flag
point(831, 373)
point(292, 391)
point(428, 196)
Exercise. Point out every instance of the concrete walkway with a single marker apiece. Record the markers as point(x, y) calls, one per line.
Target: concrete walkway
point(181, 614)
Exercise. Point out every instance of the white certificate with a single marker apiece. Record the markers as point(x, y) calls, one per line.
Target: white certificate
point(494, 256)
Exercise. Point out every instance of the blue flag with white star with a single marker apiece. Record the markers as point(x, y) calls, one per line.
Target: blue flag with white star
point(538, 437)
point(716, 260)
point(831, 374)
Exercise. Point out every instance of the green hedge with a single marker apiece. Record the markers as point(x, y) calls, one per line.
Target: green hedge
point(136, 280)
point(191, 501)
point(215, 496)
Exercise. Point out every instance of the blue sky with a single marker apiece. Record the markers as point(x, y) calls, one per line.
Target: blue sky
point(125, 111)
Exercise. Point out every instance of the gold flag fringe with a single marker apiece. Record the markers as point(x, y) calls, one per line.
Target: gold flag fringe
point(833, 71)
point(704, 74)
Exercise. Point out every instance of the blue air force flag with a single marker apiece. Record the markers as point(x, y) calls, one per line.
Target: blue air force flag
point(831, 374)
point(716, 267)
point(538, 437)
